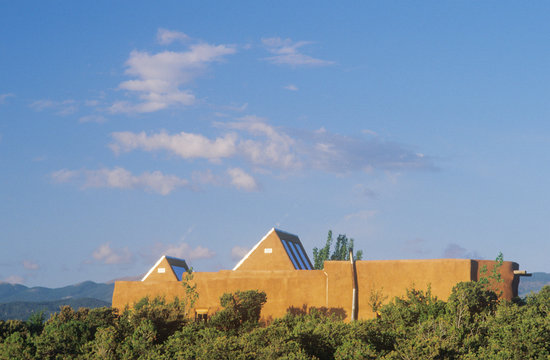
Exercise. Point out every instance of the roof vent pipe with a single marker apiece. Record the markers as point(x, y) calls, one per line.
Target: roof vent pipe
point(354, 281)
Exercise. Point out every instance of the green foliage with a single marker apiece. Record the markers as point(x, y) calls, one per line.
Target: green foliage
point(469, 303)
point(492, 280)
point(415, 307)
point(240, 310)
point(472, 324)
point(165, 317)
point(376, 299)
point(191, 294)
point(340, 252)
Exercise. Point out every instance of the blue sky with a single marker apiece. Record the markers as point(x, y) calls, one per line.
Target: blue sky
point(132, 129)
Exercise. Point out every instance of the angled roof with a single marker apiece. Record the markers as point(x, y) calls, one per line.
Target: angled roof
point(295, 250)
point(167, 268)
point(277, 250)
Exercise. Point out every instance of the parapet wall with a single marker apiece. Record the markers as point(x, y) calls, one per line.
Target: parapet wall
point(330, 288)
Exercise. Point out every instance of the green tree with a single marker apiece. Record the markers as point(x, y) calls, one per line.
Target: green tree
point(492, 280)
point(241, 310)
point(341, 251)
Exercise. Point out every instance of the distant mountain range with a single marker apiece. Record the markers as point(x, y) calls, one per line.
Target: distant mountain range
point(22, 310)
point(19, 301)
point(87, 289)
point(533, 283)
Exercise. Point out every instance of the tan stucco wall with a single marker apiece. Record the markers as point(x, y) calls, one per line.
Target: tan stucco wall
point(510, 283)
point(168, 274)
point(330, 288)
point(260, 260)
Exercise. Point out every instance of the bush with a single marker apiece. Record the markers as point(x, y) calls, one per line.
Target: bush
point(241, 310)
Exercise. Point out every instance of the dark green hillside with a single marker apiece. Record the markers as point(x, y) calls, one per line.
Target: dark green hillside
point(7, 289)
point(87, 289)
point(22, 310)
point(533, 283)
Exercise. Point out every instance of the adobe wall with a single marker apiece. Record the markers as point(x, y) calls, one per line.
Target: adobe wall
point(330, 288)
point(167, 275)
point(259, 260)
point(391, 278)
point(510, 283)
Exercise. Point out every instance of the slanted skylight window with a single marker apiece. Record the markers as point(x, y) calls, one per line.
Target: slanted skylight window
point(297, 250)
point(291, 255)
point(179, 271)
point(297, 255)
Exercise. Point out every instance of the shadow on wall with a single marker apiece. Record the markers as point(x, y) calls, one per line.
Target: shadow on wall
point(338, 313)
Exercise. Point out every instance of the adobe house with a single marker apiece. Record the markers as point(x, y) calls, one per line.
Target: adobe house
point(279, 265)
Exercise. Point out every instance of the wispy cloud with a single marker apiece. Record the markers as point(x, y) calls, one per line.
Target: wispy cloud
point(286, 52)
point(13, 279)
point(291, 87)
point(158, 78)
point(4, 97)
point(456, 251)
point(182, 250)
point(107, 255)
point(30, 265)
point(92, 119)
point(369, 132)
point(264, 146)
point(340, 153)
point(416, 246)
point(63, 108)
point(241, 180)
point(121, 178)
point(237, 253)
point(186, 145)
point(166, 37)
point(365, 191)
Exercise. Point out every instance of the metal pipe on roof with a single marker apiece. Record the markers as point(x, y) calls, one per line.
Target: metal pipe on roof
point(354, 281)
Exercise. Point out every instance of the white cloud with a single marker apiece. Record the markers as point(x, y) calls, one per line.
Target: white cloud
point(107, 255)
point(369, 132)
point(184, 251)
point(14, 279)
point(40, 105)
point(63, 108)
point(237, 253)
point(166, 37)
point(286, 52)
point(338, 153)
point(456, 251)
point(270, 147)
point(159, 77)
point(64, 175)
point(186, 145)
point(3, 97)
point(91, 103)
point(120, 178)
point(205, 177)
point(92, 118)
point(236, 108)
point(258, 142)
point(291, 87)
point(241, 180)
point(30, 265)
